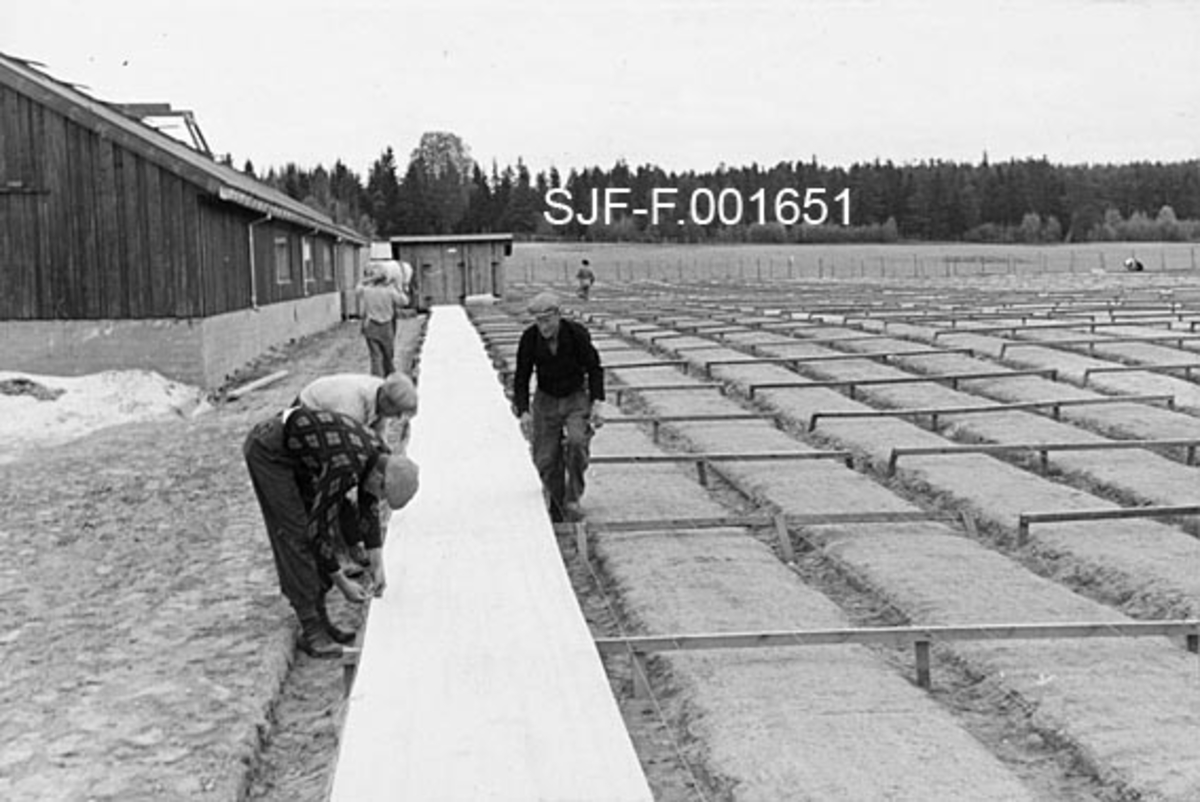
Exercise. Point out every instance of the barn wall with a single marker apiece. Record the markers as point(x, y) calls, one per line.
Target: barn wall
point(96, 231)
point(91, 230)
point(231, 340)
point(203, 352)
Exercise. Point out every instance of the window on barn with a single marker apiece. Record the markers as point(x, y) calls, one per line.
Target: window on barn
point(306, 259)
point(326, 253)
point(283, 261)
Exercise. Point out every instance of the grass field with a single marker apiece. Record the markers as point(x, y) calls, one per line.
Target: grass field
point(556, 263)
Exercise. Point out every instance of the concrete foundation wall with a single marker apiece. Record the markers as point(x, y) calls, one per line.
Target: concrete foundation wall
point(202, 352)
point(234, 339)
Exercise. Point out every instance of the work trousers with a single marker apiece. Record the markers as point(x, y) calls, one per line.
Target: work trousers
point(381, 345)
point(562, 436)
point(303, 576)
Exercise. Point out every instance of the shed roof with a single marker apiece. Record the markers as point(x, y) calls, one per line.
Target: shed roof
point(448, 239)
point(162, 150)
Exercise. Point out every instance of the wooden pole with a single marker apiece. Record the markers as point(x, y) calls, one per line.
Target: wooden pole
point(263, 381)
point(785, 539)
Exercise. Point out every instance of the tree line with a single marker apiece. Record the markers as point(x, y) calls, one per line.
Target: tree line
point(442, 190)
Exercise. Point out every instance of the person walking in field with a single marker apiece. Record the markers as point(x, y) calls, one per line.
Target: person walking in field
point(302, 462)
point(563, 416)
point(382, 304)
point(586, 278)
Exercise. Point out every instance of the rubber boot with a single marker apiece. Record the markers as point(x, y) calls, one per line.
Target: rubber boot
point(315, 641)
point(335, 634)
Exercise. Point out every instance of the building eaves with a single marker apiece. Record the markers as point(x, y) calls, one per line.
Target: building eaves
point(220, 180)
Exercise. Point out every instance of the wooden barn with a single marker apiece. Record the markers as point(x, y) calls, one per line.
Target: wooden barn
point(446, 269)
point(122, 247)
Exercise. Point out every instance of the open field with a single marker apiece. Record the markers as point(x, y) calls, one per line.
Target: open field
point(917, 380)
point(557, 262)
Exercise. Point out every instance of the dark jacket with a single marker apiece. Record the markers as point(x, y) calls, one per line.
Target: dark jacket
point(559, 374)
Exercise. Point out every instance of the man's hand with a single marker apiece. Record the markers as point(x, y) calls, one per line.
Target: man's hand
point(527, 426)
point(596, 418)
point(353, 591)
point(378, 579)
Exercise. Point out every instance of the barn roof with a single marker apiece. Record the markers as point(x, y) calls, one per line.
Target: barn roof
point(162, 150)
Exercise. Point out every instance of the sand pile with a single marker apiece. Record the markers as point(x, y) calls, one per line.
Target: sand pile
point(42, 411)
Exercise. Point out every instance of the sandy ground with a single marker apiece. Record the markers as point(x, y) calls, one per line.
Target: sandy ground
point(145, 645)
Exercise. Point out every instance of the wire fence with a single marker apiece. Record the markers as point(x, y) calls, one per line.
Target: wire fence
point(539, 263)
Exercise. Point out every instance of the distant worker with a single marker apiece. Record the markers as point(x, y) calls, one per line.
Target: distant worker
point(563, 415)
point(395, 272)
point(302, 462)
point(586, 279)
point(1133, 265)
point(382, 303)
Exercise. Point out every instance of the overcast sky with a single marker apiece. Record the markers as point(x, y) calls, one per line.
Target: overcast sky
point(684, 84)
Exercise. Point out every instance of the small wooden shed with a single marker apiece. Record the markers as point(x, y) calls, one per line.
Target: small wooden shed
point(122, 247)
point(448, 268)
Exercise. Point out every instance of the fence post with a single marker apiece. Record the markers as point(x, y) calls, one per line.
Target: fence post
point(922, 649)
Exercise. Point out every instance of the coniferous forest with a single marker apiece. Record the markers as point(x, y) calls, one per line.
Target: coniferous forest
point(440, 189)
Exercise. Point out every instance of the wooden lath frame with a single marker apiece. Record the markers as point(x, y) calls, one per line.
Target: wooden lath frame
point(780, 521)
point(952, 378)
point(656, 421)
point(1186, 367)
point(660, 363)
point(1043, 449)
point(1027, 519)
point(1091, 342)
point(932, 413)
point(918, 637)
point(670, 387)
point(702, 460)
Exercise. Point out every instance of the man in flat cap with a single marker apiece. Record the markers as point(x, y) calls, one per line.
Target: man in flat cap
point(368, 399)
point(302, 462)
point(371, 401)
point(563, 416)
